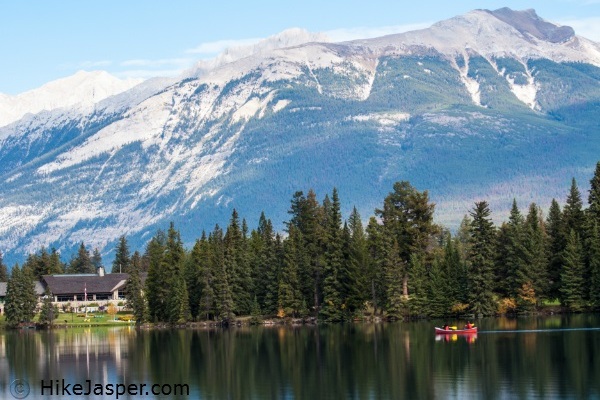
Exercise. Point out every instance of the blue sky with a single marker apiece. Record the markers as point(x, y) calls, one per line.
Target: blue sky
point(45, 40)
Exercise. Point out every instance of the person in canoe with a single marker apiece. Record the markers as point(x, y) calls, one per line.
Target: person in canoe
point(469, 325)
point(446, 327)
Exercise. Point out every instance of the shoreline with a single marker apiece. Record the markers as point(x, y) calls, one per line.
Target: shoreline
point(246, 321)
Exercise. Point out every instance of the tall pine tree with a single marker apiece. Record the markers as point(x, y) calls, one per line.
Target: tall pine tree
point(407, 216)
point(21, 299)
point(290, 296)
point(535, 250)
point(594, 255)
point(135, 294)
point(594, 197)
point(554, 249)
point(572, 280)
point(332, 310)
point(122, 259)
point(573, 217)
point(157, 292)
point(481, 261)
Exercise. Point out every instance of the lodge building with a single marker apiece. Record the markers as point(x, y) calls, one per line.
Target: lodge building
point(79, 290)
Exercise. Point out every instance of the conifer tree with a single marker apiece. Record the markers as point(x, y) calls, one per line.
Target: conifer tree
point(223, 296)
point(555, 246)
point(481, 261)
point(376, 270)
point(332, 309)
point(417, 286)
point(407, 216)
point(201, 259)
point(290, 296)
point(3, 270)
point(178, 302)
point(263, 245)
point(308, 217)
point(122, 259)
point(81, 263)
point(255, 313)
point(135, 296)
point(354, 280)
point(463, 237)
point(56, 265)
point(535, 251)
point(21, 300)
point(394, 277)
point(453, 268)
point(439, 301)
point(48, 312)
point(238, 267)
point(594, 197)
point(573, 217)
point(157, 292)
point(594, 255)
point(177, 308)
point(42, 264)
point(592, 218)
point(572, 280)
point(513, 253)
point(96, 259)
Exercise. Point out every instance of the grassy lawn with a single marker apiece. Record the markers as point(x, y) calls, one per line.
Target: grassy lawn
point(91, 319)
point(554, 302)
point(78, 319)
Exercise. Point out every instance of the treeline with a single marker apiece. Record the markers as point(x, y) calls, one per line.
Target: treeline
point(400, 265)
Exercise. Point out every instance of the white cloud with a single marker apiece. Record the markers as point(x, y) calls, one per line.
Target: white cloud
point(345, 34)
point(146, 73)
point(157, 63)
point(586, 27)
point(216, 47)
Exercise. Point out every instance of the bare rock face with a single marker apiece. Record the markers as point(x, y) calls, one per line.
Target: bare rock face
point(528, 22)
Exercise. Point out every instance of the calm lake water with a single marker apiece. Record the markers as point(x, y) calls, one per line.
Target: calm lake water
point(546, 357)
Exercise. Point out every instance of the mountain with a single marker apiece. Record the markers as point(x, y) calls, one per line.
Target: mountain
point(487, 105)
point(80, 91)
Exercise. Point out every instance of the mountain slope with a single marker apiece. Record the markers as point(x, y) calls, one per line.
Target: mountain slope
point(491, 104)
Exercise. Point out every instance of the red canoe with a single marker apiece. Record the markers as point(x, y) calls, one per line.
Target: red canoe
point(443, 331)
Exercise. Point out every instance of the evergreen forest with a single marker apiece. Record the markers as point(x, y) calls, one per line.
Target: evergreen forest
point(398, 265)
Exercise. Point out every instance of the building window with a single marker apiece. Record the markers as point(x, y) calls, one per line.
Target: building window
point(64, 298)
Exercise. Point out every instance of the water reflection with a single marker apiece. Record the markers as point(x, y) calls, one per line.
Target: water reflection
point(454, 337)
point(352, 361)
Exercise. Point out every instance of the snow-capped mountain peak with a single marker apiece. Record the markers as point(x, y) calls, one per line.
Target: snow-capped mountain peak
point(81, 90)
point(500, 33)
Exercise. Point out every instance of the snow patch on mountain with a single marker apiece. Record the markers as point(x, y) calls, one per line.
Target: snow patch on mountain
point(525, 92)
point(384, 119)
point(471, 84)
point(280, 105)
point(251, 107)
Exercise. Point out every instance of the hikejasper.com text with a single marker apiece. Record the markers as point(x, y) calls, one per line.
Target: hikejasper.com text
point(58, 387)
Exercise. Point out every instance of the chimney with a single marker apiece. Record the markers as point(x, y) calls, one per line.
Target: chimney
point(100, 271)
